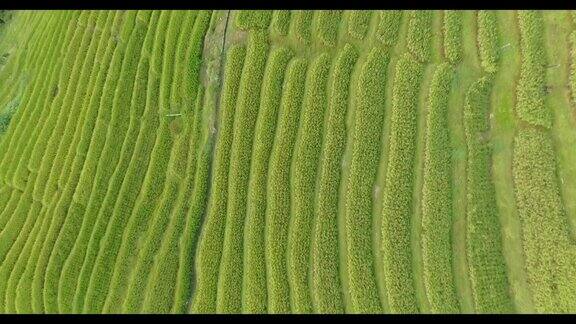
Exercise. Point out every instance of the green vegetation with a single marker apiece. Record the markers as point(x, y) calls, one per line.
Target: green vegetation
point(287, 161)
point(398, 187)
point(280, 22)
point(246, 112)
point(573, 66)
point(483, 237)
point(359, 23)
point(452, 35)
point(549, 250)
point(250, 19)
point(419, 37)
point(211, 240)
point(488, 40)
point(531, 84)
point(304, 173)
point(326, 282)
point(327, 26)
point(369, 116)
point(301, 25)
point(278, 200)
point(437, 198)
point(254, 238)
point(389, 26)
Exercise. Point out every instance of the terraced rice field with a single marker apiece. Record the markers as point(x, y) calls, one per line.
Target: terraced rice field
point(288, 162)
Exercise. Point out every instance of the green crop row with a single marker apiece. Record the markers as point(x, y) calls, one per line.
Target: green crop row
point(452, 35)
point(62, 174)
point(89, 66)
point(358, 23)
point(5, 193)
point(531, 90)
point(24, 30)
point(326, 28)
point(550, 254)
point(397, 198)
point(8, 115)
point(11, 95)
point(9, 208)
point(253, 19)
point(486, 265)
point(149, 263)
point(278, 199)
point(39, 264)
point(280, 23)
point(368, 103)
point(301, 25)
point(188, 242)
point(53, 258)
point(143, 206)
point(190, 146)
point(9, 232)
point(255, 289)
point(572, 78)
point(419, 34)
point(17, 215)
point(488, 40)
point(247, 104)
point(437, 198)
point(327, 288)
point(389, 26)
point(304, 173)
point(27, 26)
point(211, 240)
